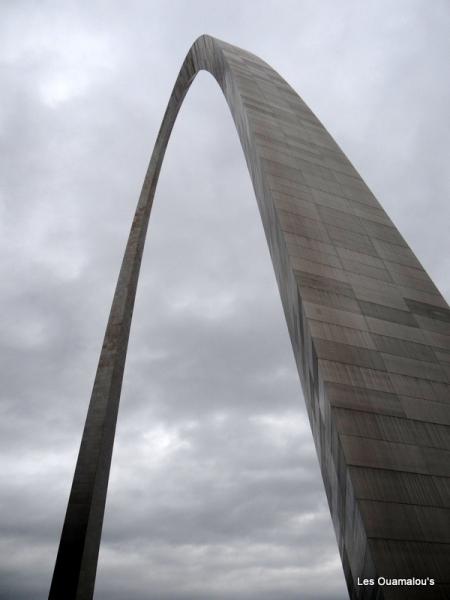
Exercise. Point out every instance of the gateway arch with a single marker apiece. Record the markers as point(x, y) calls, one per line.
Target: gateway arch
point(369, 330)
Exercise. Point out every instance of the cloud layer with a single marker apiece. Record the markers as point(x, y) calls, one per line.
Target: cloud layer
point(215, 490)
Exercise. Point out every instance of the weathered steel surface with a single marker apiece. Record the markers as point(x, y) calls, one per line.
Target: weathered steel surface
point(369, 329)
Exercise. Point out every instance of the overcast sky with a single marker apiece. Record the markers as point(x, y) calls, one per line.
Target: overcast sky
point(215, 491)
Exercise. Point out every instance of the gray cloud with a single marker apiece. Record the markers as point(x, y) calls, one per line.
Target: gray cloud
point(215, 490)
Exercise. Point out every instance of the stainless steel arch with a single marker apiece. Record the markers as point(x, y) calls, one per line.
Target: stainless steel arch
point(370, 334)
